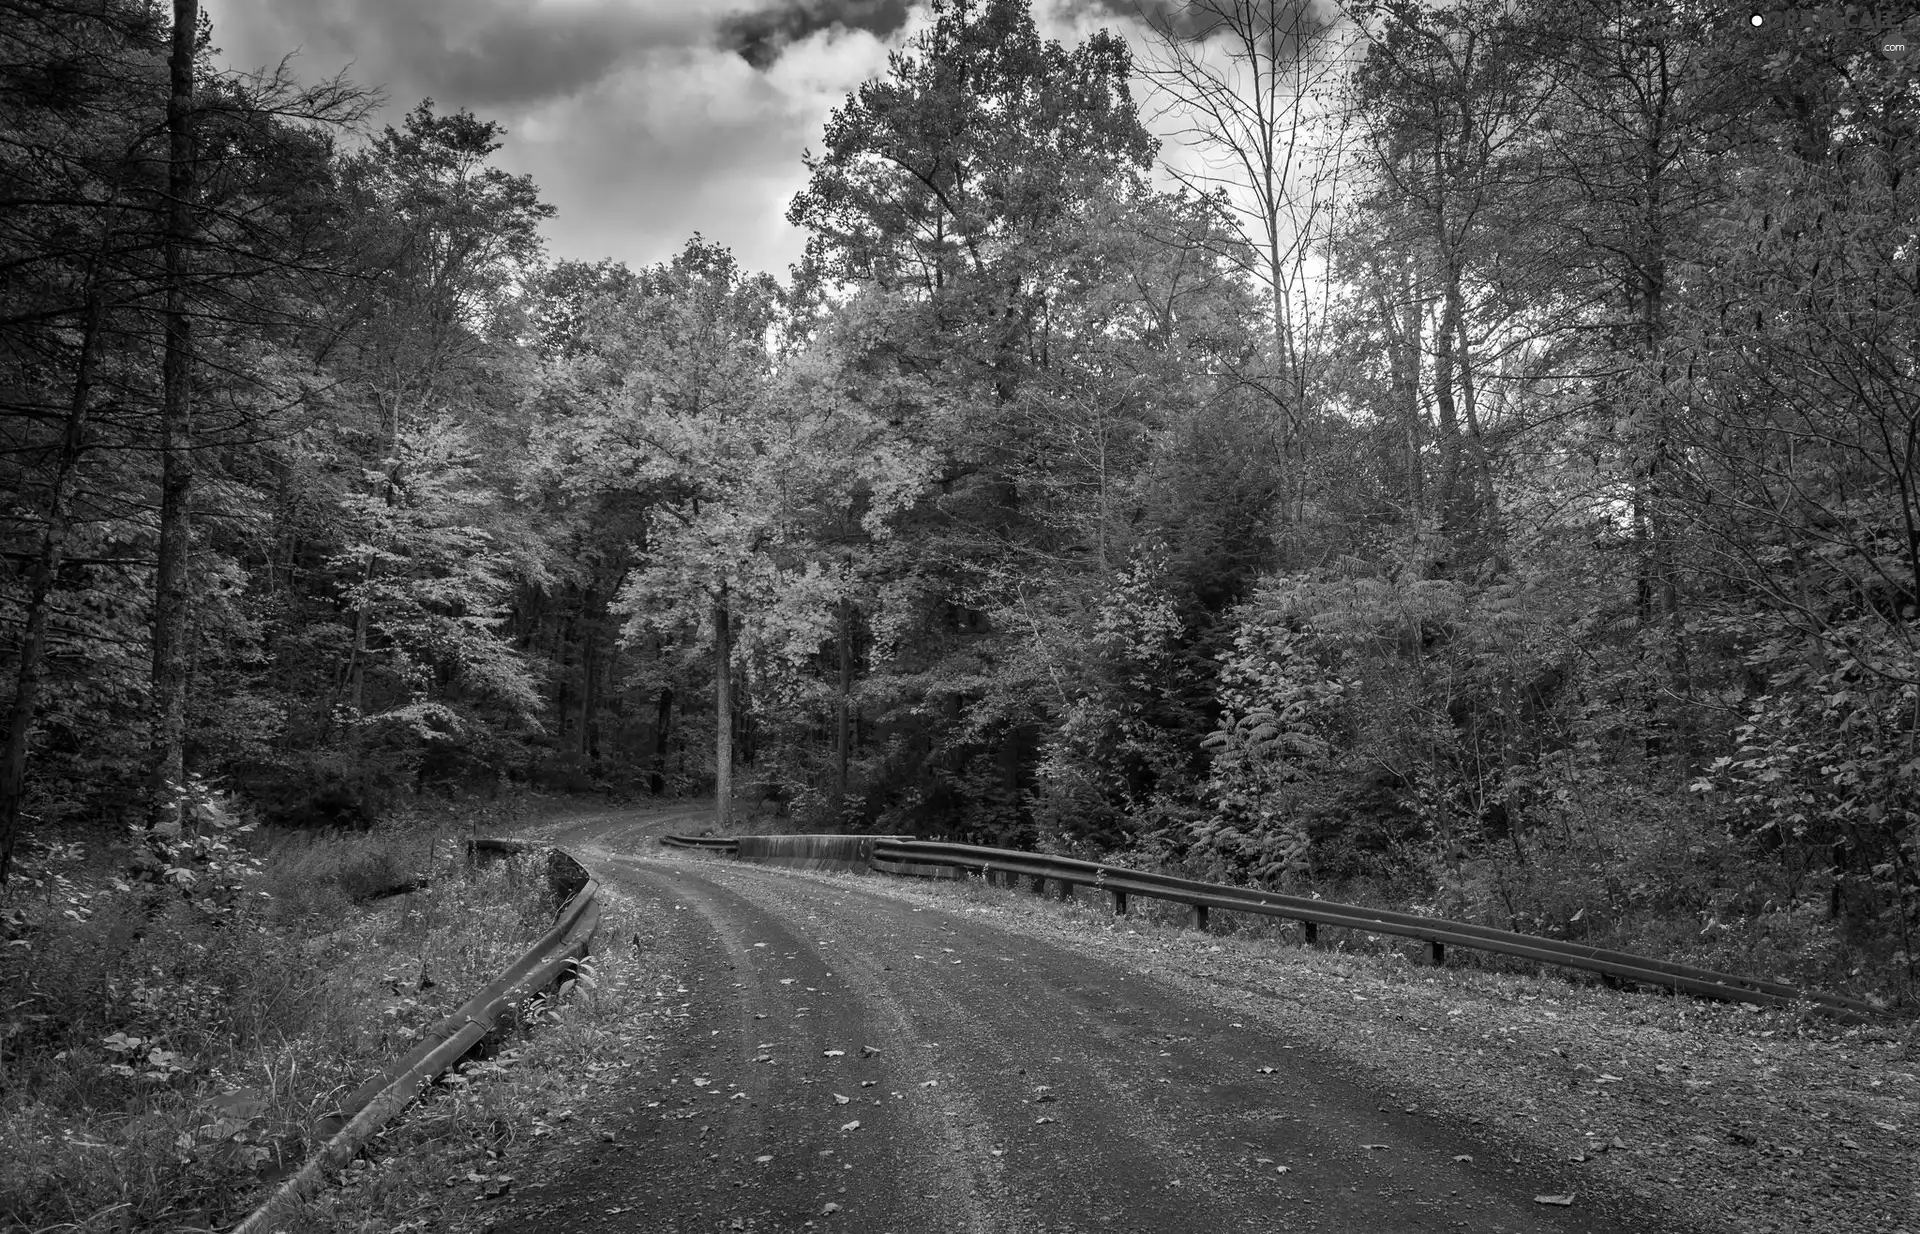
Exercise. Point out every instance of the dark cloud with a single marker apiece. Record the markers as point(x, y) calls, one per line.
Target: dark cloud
point(1187, 20)
point(486, 53)
point(760, 35)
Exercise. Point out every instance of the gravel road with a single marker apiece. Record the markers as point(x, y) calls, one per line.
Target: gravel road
point(833, 1058)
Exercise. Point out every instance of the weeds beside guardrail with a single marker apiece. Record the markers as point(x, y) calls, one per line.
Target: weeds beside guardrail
point(380, 1098)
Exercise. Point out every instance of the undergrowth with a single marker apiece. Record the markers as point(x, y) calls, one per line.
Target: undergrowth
point(468, 1139)
point(176, 1018)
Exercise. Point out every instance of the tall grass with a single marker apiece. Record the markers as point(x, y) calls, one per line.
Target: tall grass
point(166, 1044)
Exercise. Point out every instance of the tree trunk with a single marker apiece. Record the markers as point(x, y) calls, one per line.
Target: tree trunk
point(1444, 339)
point(1486, 510)
point(169, 696)
point(723, 706)
point(842, 729)
point(53, 544)
point(589, 677)
point(662, 719)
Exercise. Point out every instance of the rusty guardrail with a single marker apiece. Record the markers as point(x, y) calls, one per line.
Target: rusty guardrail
point(384, 1095)
point(1438, 933)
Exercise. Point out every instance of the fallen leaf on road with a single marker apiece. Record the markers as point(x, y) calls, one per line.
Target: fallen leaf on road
point(830, 1209)
point(763, 1158)
point(852, 1126)
point(1850, 1144)
point(1373, 1146)
point(839, 1099)
point(738, 1097)
point(701, 1082)
point(867, 1051)
point(1464, 1157)
point(1264, 1070)
point(1563, 1201)
point(1043, 1119)
point(832, 1053)
point(1283, 1169)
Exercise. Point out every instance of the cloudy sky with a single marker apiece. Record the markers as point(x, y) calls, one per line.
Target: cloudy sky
point(642, 121)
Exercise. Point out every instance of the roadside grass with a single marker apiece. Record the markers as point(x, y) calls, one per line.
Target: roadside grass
point(168, 1043)
point(464, 1143)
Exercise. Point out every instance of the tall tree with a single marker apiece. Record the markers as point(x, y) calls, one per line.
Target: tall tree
point(170, 608)
point(1251, 84)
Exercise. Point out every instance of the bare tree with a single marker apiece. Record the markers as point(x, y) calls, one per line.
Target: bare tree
point(1250, 84)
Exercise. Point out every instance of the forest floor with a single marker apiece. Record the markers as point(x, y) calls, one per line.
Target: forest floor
point(1730, 1118)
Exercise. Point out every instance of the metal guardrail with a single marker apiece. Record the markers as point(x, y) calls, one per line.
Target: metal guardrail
point(730, 845)
point(1439, 934)
point(384, 1095)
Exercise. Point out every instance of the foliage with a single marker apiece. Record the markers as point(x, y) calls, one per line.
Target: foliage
point(173, 1040)
point(1551, 564)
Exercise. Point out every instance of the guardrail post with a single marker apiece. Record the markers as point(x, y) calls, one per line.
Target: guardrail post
point(1310, 932)
point(1066, 889)
point(1119, 903)
point(1039, 884)
point(1200, 917)
point(1436, 952)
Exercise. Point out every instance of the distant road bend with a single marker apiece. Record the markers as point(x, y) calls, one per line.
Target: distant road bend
point(848, 1061)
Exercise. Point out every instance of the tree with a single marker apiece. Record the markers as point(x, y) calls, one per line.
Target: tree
point(1448, 100)
point(1250, 82)
point(97, 258)
point(661, 401)
point(176, 439)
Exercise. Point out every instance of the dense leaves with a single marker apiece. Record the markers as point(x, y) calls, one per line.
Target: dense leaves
point(1510, 508)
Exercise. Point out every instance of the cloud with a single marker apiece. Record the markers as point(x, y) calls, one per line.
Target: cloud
point(760, 36)
point(486, 53)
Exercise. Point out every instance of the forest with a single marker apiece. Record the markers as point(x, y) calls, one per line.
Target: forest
point(1472, 463)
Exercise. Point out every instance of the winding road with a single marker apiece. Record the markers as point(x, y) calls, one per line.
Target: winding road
point(837, 1059)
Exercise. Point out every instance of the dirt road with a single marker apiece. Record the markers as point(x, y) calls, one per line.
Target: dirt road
point(833, 1058)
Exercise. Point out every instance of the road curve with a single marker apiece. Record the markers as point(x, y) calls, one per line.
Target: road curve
point(999, 1082)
